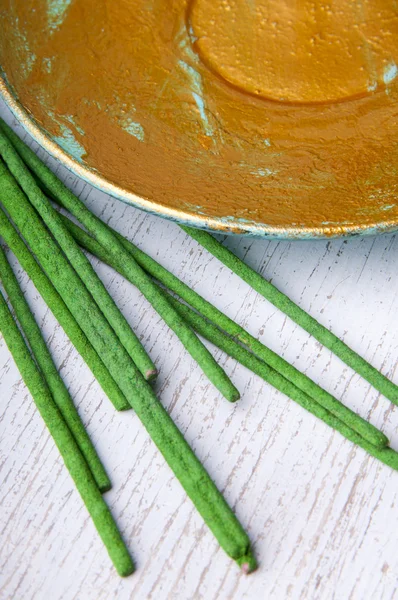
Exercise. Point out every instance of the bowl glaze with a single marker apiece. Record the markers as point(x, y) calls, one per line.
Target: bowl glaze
point(270, 118)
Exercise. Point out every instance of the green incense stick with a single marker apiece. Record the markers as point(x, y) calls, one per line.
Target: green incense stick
point(163, 431)
point(297, 314)
point(68, 284)
point(56, 385)
point(354, 421)
point(257, 366)
point(62, 313)
point(63, 438)
point(77, 259)
point(348, 419)
point(110, 242)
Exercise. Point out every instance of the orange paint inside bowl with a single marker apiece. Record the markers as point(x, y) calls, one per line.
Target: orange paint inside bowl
point(271, 113)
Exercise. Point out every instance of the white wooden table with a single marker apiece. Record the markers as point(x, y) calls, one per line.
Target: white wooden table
point(322, 515)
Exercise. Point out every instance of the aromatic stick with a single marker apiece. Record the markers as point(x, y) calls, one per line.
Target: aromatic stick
point(67, 283)
point(112, 245)
point(55, 383)
point(367, 430)
point(63, 438)
point(257, 366)
point(78, 260)
point(62, 313)
point(297, 314)
point(348, 418)
point(161, 428)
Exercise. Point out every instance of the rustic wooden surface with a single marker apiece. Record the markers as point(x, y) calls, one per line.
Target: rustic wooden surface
point(322, 515)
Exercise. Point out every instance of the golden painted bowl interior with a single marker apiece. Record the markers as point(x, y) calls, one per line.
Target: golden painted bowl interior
point(271, 117)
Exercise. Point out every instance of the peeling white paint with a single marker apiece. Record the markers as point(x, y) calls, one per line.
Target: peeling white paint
point(135, 129)
point(56, 10)
point(68, 142)
point(390, 73)
point(197, 94)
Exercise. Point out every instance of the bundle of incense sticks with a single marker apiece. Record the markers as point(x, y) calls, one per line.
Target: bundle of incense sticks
point(48, 245)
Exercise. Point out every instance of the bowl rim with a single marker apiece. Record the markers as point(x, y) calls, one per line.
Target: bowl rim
point(214, 224)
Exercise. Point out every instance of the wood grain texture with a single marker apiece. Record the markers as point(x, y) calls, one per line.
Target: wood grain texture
point(322, 515)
